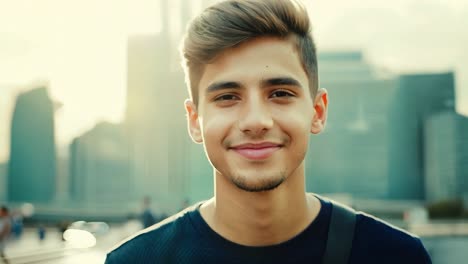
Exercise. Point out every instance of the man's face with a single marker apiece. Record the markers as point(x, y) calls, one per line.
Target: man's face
point(255, 113)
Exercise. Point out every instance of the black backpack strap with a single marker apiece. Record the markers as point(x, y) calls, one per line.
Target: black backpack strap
point(340, 234)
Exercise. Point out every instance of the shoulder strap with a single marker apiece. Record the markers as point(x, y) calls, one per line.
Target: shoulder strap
point(340, 234)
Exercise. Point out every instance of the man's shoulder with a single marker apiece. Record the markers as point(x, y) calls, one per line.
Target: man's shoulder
point(384, 239)
point(153, 241)
point(370, 227)
point(374, 225)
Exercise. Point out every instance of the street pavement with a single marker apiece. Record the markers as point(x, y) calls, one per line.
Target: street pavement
point(30, 249)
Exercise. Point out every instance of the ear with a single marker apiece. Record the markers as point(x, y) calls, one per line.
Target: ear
point(193, 122)
point(320, 115)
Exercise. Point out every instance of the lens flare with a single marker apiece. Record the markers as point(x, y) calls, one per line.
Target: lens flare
point(27, 209)
point(79, 238)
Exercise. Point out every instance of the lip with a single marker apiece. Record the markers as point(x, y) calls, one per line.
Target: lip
point(256, 151)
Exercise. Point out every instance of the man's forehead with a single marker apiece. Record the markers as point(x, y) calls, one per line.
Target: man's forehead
point(262, 59)
point(269, 41)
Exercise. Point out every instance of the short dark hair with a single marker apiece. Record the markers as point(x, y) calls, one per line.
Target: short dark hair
point(230, 23)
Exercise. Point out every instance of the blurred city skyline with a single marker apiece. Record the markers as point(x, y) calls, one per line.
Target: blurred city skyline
point(79, 49)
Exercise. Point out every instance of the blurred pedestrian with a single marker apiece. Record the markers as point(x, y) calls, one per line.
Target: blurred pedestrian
point(41, 232)
point(63, 226)
point(147, 217)
point(16, 224)
point(5, 229)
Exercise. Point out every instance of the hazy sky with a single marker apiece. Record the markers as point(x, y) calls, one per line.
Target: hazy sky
point(79, 47)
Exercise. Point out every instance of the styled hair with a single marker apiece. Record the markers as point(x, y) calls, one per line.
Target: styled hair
point(230, 23)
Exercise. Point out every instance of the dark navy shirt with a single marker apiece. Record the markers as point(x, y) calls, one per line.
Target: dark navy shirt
point(187, 238)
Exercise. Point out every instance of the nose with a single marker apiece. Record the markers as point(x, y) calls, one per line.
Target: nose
point(255, 119)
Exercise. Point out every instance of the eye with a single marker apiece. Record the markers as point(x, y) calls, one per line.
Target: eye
point(226, 97)
point(281, 93)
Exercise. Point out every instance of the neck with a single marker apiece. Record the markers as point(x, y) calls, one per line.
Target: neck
point(260, 218)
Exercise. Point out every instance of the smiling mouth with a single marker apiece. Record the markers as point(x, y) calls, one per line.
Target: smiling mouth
point(259, 151)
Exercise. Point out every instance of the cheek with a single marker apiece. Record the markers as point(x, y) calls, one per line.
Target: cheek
point(215, 128)
point(295, 123)
point(297, 127)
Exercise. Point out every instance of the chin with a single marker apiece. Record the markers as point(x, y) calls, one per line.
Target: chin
point(260, 185)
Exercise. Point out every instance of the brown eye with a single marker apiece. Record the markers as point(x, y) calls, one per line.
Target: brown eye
point(281, 93)
point(226, 97)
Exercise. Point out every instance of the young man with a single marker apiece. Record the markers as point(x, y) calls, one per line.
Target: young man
point(5, 228)
point(254, 100)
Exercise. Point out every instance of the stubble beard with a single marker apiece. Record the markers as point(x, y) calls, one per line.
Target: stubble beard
point(262, 185)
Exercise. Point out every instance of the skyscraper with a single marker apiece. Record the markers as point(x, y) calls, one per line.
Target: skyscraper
point(351, 155)
point(146, 119)
point(462, 158)
point(418, 97)
point(446, 157)
point(159, 147)
point(440, 156)
point(99, 167)
point(31, 170)
point(3, 189)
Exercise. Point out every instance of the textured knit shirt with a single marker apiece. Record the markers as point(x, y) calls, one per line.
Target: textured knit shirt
point(187, 238)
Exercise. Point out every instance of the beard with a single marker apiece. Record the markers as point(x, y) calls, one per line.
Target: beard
point(262, 185)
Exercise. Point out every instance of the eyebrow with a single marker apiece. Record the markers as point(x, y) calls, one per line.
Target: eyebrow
point(222, 86)
point(265, 83)
point(281, 81)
